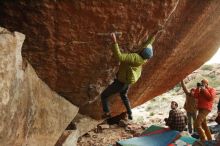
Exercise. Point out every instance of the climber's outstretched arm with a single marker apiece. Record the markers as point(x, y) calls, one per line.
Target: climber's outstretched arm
point(116, 50)
point(184, 88)
point(129, 58)
point(150, 40)
point(152, 37)
point(114, 39)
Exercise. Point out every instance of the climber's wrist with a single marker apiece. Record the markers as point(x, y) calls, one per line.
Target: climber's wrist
point(114, 38)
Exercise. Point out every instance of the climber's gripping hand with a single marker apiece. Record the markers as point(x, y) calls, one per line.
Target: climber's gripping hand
point(113, 36)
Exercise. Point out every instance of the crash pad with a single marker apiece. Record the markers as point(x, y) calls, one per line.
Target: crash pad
point(153, 136)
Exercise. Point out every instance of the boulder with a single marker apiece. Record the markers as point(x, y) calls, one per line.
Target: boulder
point(31, 113)
point(82, 124)
point(69, 47)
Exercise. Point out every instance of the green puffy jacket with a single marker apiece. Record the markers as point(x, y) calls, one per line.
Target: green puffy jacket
point(130, 65)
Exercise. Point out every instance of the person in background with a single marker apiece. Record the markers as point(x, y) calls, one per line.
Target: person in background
point(205, 96)
point(176, 120)
point(218, 107)
point(217, 120)
point(190, 107)
point(129, 72)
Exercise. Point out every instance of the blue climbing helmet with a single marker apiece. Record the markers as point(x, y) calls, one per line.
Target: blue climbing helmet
point(147, 53)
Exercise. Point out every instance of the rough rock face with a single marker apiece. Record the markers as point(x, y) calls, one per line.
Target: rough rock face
point(83, 124)
point(66, 45)
point(31, 114)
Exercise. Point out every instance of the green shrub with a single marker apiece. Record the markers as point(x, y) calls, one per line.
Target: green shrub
point(153, 100)
point(207, 67)
point(164, 98)
point(152, 113)
point(212, 76)
point(148, 108)
point(140, 119)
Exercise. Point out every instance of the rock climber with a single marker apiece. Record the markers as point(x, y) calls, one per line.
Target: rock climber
point(129, 72)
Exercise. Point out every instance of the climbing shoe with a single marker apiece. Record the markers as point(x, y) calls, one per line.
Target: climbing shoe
point(130, 117)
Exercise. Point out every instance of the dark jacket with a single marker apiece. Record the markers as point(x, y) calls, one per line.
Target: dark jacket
point(176, 120)
point(218, 105)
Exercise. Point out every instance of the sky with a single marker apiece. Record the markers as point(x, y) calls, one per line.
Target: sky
point(215, 58)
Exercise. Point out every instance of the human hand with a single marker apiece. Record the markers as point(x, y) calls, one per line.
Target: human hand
point(202, 89)
point(156, 32)
point(114, 37)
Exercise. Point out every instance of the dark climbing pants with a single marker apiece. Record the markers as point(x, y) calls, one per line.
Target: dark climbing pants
point(116, 87)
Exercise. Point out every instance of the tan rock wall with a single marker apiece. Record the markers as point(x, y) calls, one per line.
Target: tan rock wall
point(31, 113)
